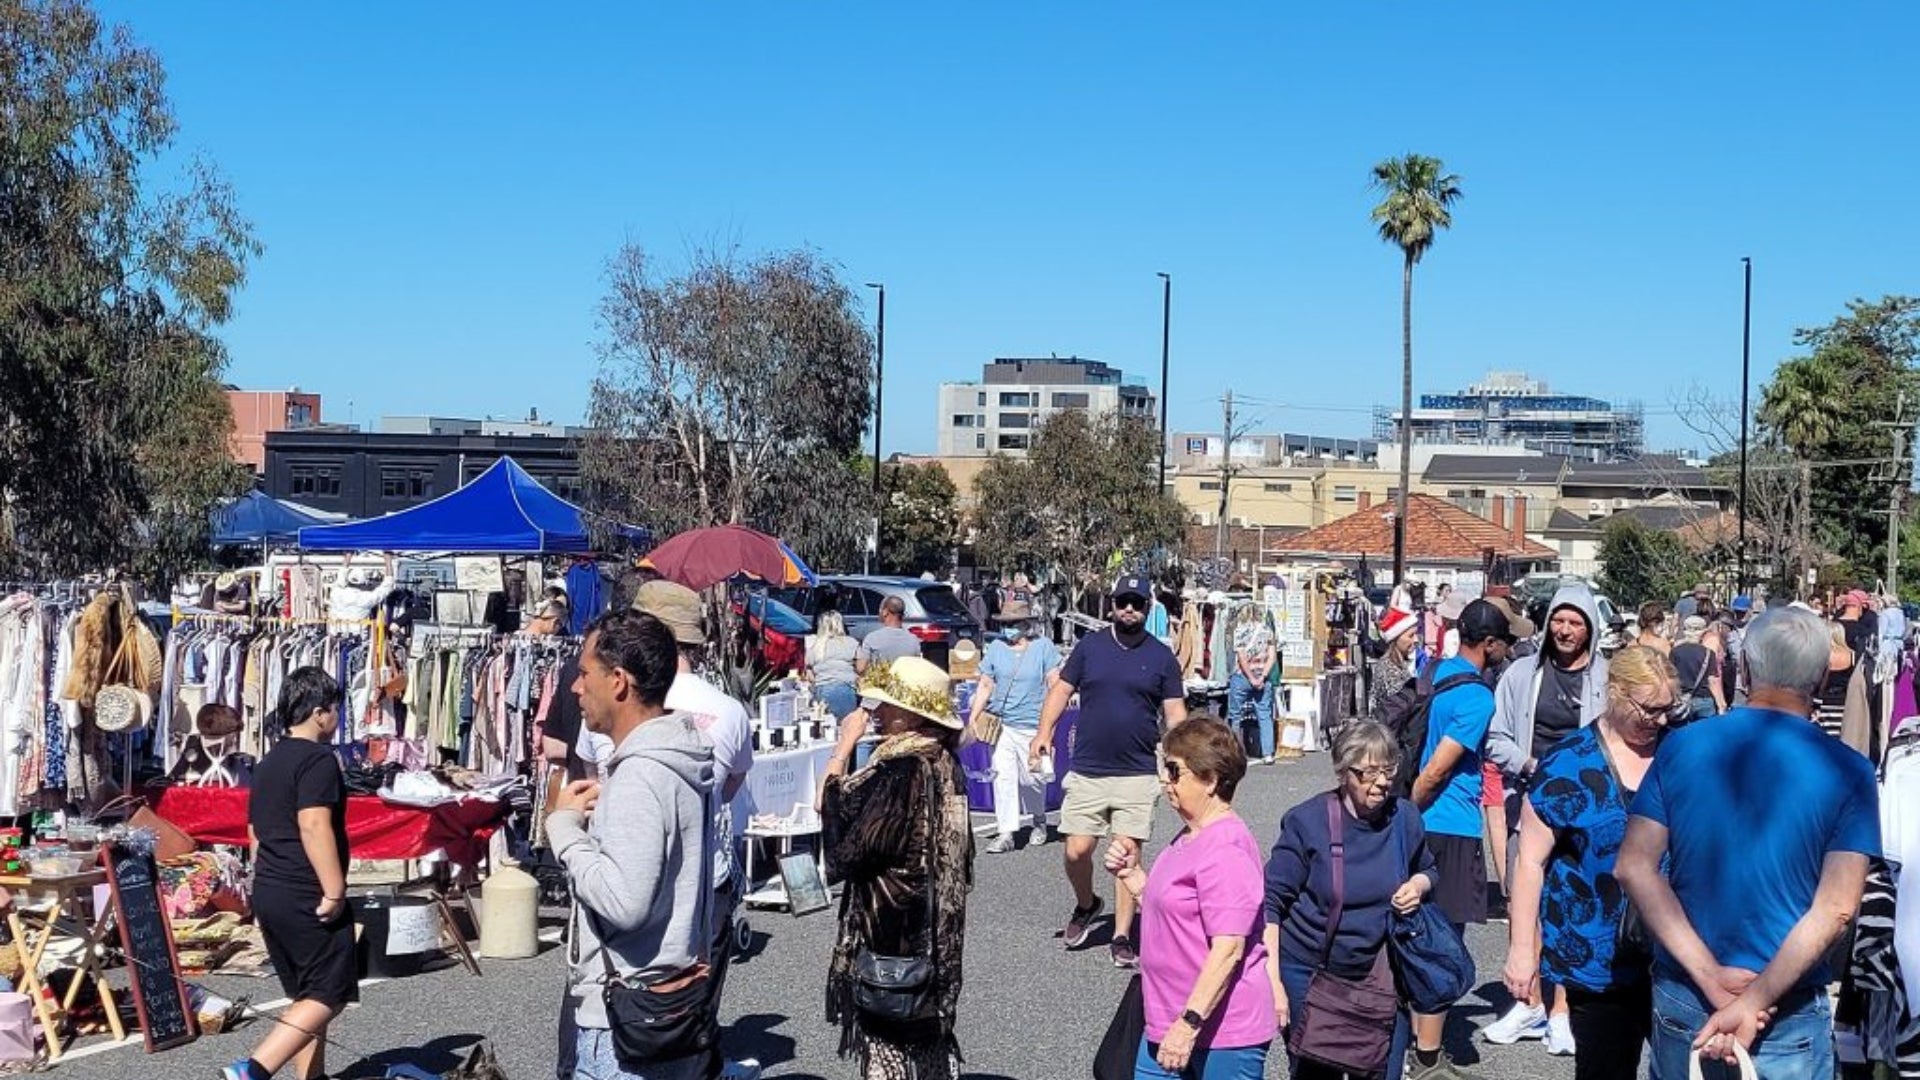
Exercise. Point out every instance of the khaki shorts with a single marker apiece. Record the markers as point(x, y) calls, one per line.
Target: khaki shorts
point(1108, 805)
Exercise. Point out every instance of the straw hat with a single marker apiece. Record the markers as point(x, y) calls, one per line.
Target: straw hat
point(915, 684)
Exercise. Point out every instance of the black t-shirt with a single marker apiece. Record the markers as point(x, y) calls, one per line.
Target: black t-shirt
point(1556, 714)
point(296, 775)
point(563, 716)
point(1693, 663)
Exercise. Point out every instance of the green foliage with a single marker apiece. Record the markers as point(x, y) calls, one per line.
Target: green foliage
point(1831, 406)
point(1417, 197)
point(1641, 564)
point(1083, 498)
point(735, 393)
point(113, 433)
point(919, 519)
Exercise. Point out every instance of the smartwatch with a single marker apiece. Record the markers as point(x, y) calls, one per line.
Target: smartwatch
point(1192, 1019)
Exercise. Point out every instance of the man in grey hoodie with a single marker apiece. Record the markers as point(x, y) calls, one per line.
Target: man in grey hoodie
point(1542, 699)
point(638, 846)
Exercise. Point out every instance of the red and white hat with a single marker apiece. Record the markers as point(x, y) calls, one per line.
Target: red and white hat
point(1394, 623)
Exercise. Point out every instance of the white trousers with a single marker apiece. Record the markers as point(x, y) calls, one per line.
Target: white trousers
point(1018, 794)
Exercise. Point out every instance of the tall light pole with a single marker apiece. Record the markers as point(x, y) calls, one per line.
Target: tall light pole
point(879, 406)
point(1166, 327)
point(1746, 381)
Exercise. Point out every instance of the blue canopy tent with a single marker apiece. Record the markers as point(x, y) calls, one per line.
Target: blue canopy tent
point(503, 511)
point(257, 518)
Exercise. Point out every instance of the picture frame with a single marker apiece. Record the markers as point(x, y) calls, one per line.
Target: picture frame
point(806, 889)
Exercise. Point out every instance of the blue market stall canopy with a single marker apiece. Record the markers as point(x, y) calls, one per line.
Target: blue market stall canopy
point(503, 511)
point(258, 518)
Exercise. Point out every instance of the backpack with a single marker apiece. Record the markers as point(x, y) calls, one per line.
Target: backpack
point(1404, 712)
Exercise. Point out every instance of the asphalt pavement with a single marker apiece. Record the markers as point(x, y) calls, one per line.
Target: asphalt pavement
point(1029, 1011)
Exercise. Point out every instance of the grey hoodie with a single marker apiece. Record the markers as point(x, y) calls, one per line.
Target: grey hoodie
point(1510, 737)
point(641, 868)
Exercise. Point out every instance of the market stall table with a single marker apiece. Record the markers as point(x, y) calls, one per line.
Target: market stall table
point(376, 829)
point(43, 909)
point(977, 759)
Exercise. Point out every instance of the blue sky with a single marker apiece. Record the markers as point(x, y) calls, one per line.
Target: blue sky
point(439, 186)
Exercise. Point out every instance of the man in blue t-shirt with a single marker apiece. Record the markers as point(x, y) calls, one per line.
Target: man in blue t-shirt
point(1767, 825)
point(1128, 680)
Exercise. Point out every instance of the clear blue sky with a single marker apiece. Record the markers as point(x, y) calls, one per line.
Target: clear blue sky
point(438, 186)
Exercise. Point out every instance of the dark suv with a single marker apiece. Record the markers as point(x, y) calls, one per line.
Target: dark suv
point(933, 613)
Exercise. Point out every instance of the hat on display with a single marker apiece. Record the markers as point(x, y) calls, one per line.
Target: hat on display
point(915, 684)
point(675, 605)
point(1483, 619)
point(1132, 585)
point(1394, 623)
point(1742, 603)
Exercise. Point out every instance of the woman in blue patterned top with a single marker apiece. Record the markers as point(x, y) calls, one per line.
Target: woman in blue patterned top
point(1566, 906)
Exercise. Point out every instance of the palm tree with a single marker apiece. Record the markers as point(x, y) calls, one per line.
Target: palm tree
point(1417, 194)
point(1801, 404)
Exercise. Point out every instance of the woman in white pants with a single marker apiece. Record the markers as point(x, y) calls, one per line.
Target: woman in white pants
point(1014, 677)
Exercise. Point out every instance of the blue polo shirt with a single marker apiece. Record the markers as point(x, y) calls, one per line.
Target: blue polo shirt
point(1461, 714)
point(1122, 691)
point(1753, 803)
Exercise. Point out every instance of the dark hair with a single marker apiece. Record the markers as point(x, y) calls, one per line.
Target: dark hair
point(307, 690)
point(640, 645)
point(1652, 614)
point(1211, 752)
point(216, 721)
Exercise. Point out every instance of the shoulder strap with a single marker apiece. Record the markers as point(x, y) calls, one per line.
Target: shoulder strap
point(1003, 689)
point(1336, 831)
point(1461, 678)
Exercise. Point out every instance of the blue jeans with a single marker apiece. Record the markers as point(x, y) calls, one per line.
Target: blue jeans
point(594, 1060)
point(1797, 1045)
point(1295, 977)
point(1240, 693)
point(840, 698)
point(1239, 1063)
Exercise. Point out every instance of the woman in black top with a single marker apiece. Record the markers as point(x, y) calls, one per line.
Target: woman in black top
point(297, 819)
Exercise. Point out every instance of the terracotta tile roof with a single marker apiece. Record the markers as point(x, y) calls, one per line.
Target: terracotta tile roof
point(1437, 531)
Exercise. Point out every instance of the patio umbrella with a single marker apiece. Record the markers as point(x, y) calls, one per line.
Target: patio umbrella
point(703, 558)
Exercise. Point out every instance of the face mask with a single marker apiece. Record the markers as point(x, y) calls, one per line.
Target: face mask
point(1011, 634)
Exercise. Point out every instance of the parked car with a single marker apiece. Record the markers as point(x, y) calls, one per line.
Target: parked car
point(933, 613)
point(777, 630)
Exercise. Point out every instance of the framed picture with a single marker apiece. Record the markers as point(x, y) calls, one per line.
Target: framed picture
point(806, 890)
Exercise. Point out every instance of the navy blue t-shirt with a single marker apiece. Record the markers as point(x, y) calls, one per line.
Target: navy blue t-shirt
point(1300, 882)
point(1577, 795)
point(1753, 804)
point(1121, 692)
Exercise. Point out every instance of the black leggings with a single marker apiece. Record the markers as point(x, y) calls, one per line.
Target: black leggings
point(1609, 1027)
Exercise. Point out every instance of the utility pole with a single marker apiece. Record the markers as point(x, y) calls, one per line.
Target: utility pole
point(1166, 330)
point(1226, 476)
point(1746, 381)
point(1897, 483)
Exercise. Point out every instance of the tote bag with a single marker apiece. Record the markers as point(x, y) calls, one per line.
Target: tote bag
point(1431, 963)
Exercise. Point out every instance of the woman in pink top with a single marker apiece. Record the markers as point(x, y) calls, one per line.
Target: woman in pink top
point(1209, 1003)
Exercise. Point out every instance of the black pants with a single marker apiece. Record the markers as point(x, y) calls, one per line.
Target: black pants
point(1609, 1028)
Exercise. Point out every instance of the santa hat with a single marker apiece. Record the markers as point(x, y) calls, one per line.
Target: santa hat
point(1394, 623)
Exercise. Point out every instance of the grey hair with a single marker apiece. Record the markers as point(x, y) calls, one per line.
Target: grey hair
point(1363, 739)
point(1787, 648)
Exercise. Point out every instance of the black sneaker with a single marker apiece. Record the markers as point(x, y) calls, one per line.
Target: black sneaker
point(1080, 925)
point(1124, 954)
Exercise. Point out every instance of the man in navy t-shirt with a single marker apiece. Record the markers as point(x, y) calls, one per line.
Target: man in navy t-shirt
point(1127, 680)
point(1767, 825)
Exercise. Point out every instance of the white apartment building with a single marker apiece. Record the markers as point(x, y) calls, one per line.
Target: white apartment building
point(997, 415)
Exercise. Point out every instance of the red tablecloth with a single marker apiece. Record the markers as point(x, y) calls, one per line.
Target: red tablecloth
point(375, 829)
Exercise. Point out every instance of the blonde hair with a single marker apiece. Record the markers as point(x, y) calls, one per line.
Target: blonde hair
point(1639, 667)
point(828, 627)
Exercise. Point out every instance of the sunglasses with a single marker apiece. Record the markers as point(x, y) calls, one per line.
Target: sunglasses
point(1130, 603)
point(1174, 772)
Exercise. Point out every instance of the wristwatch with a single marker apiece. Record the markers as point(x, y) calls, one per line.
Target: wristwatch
point(1192, 1019)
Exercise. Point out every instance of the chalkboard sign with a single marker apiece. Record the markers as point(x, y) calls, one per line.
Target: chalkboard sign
point(159, 994)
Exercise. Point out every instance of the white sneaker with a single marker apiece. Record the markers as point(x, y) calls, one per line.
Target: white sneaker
point(1560, 1036)
point(1001, 844)
point(1523, 1021)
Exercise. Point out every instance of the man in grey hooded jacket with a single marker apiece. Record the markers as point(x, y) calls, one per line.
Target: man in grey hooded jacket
point(1541, 699)
point(638, 846)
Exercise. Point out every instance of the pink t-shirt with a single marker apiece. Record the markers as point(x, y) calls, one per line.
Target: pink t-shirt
point(1206, 885)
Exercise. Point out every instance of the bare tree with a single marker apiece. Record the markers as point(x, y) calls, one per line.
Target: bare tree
point(1779, 532)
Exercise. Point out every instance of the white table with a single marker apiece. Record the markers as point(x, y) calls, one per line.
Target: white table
point(783, 779)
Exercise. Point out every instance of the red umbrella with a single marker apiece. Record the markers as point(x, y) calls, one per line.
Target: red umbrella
point(703, 558)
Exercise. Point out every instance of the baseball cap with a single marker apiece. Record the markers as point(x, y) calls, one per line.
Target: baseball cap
point(1133, 585)
point(1482, 620)
point(1742, 603)
point(675, 605)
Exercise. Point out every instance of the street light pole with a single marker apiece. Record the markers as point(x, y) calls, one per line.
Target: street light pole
point(1746, 381)
point(879, 406)
point(1166, 327)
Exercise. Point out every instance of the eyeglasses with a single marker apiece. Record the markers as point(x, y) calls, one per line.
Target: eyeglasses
point(1130, 603)
point(1671, 709)
point(1372, 774)
point(1174, 772)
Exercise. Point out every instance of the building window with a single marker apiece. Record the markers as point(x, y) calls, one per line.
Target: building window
point(1393, 494)
point(963, 420)
point(1016, 401)
point(1209, 485)
point(1456, 494)
point(1015, 420)
point(1072, 401)
point(1278, 489)
point(299, 414)
point(1013, 442)
point(982, 403)
point(314, 481)
point(1197, 446)
point(1345, 493)
point(406, 482)
point(980, 441)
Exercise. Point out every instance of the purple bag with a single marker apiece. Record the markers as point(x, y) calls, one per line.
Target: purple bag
point(1349, 1022)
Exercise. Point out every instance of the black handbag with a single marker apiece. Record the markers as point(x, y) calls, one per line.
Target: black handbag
point(898, 989)
point(1348, 1023)
point(1120, 1049)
